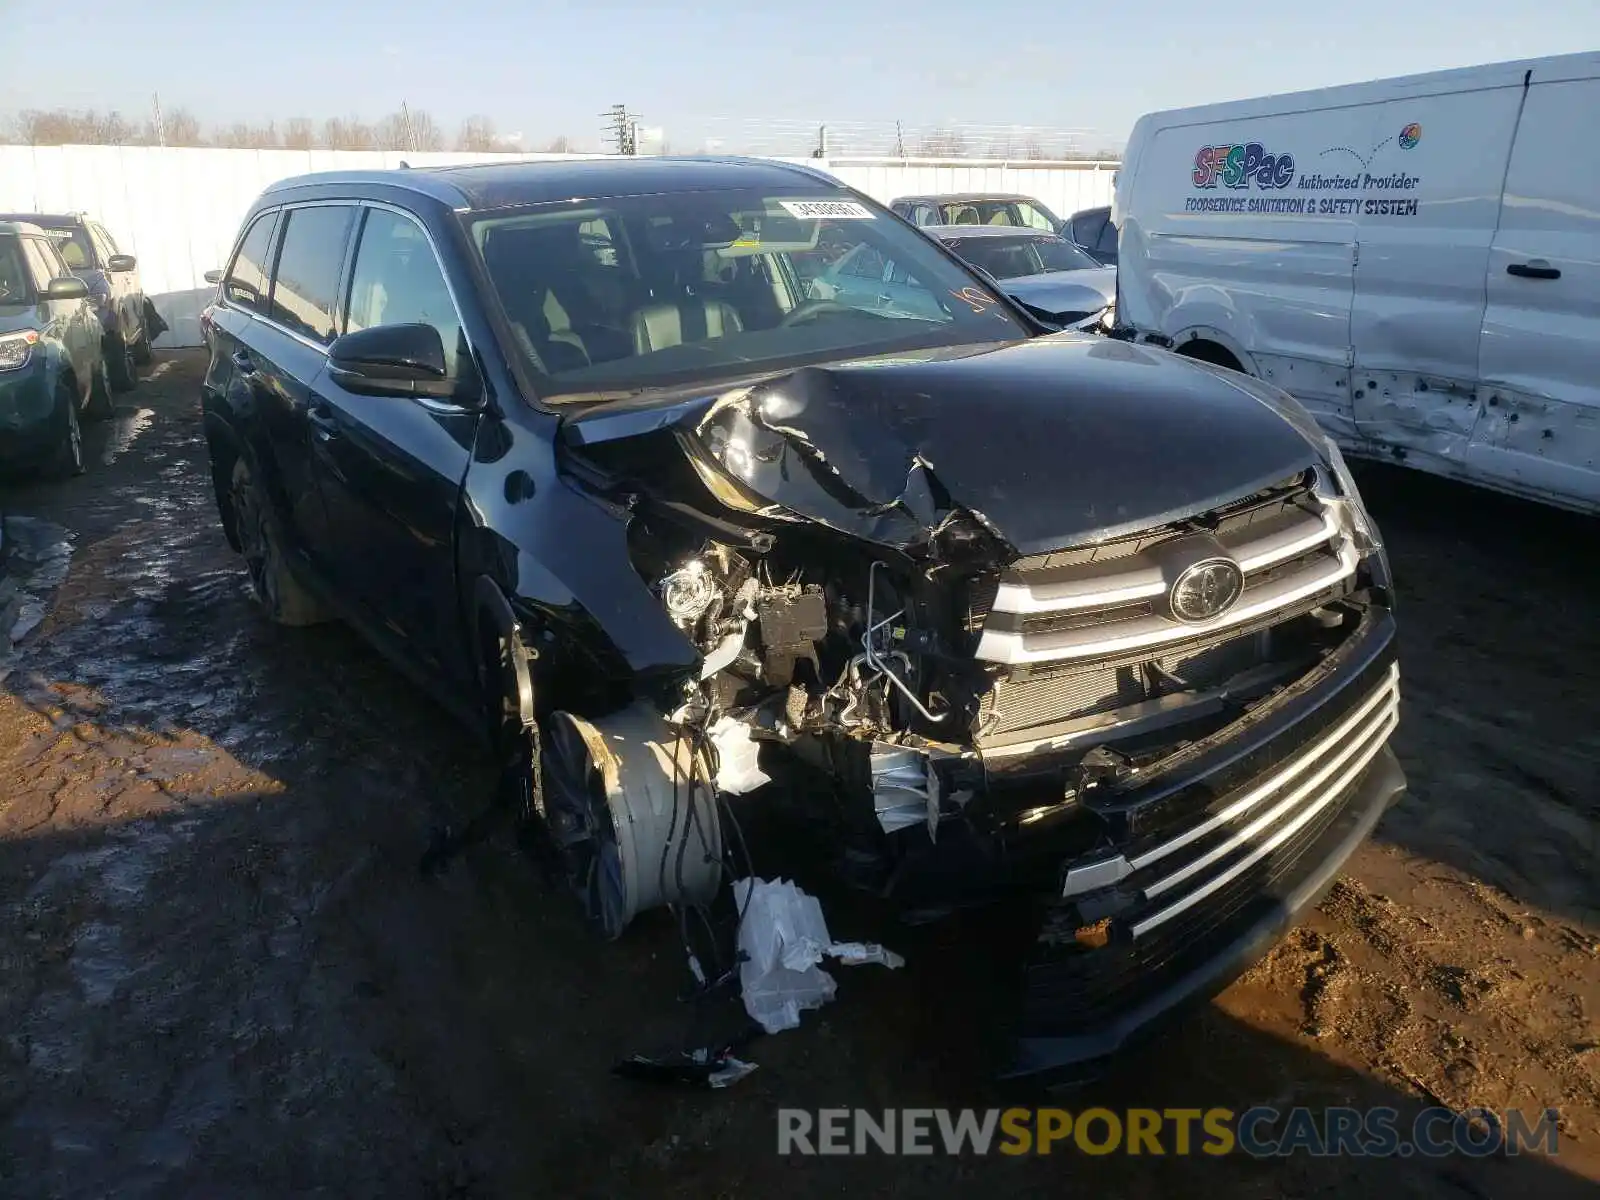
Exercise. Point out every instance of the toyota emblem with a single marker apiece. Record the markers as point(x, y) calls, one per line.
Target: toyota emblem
point(1206, 590)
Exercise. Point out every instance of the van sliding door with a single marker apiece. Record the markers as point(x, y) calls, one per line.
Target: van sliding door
point(1540, 358)
point(1427, 184)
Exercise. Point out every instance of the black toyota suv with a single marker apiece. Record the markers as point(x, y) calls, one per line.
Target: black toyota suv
point(128, 321)
point(1006, 614)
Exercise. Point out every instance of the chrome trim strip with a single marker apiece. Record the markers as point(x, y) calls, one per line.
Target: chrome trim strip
point(1333, 792)
point(1279, 810)
point(1284, 544)
point(1012, 649)
point(1308, 757)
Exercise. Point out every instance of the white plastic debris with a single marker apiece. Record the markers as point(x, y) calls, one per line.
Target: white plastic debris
point(738, 757)
point(783, 937)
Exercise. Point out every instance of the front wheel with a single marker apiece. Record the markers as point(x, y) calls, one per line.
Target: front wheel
point(101, 404)
point(119, 357)
point(141, 348)
point(281, 596)
point(67, 458)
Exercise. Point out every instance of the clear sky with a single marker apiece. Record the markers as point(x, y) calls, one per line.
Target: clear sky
point(546, 68)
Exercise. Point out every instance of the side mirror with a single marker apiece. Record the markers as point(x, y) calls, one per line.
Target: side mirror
point(213, 276)
point(393, 360)
point(122, 262)
point(66, 288)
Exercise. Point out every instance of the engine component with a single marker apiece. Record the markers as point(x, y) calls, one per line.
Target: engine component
point(792, 622)
point(688, 593)
point(633, 813)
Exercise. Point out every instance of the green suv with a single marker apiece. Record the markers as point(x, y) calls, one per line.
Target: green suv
point(52, 361)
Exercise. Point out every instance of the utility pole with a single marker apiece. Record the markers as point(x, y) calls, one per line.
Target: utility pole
point(407, 131)
point(822, 143)
point(161, 129)
point(622, 128)
point(899, 141)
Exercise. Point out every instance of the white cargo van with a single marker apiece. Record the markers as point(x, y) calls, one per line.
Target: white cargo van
point(1417, 260)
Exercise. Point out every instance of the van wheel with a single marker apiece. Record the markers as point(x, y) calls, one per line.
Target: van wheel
point(119, 357)
point(101, 404)
point(281, 596)
point(67, 459)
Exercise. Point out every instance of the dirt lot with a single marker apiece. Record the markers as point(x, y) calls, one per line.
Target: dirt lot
point(221, 973)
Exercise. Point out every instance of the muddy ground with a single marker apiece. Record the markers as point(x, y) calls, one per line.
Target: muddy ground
point(222, 975)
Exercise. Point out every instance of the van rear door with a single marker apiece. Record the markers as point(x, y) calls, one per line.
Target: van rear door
point(1428, 185)
point(1540, 355)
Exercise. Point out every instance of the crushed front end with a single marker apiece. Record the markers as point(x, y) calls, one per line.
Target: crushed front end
point(1167, 736)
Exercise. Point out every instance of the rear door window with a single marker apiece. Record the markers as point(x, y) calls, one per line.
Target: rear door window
point(1086, 229)
point(42, 264)
point(305, 286)
point(246, 281)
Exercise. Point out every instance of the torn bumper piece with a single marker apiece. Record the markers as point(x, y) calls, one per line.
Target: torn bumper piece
point(1083, 1008)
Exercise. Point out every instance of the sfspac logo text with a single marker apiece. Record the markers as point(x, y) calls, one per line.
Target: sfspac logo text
point(1240, 166)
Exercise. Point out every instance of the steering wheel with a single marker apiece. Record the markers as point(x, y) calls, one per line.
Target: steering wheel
point(806, 310)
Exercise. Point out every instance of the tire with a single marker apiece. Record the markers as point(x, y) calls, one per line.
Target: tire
point(141, 349)
point(281, 596)
point(119, 357)
point(102, 406)
point(66, 460)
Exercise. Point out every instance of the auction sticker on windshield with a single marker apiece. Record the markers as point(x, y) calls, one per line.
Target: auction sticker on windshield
point(812, 210)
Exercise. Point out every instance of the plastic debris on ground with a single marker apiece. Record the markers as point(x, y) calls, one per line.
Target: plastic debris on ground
point(782, 939)
point(697, 1068)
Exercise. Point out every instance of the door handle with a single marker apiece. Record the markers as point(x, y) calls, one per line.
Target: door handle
point(243, 362)
point(1534, 268)
point(324, 426)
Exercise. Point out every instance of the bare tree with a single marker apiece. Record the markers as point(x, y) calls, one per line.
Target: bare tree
point(477, 135)
point(942, 143)
point(348, 133)
point(299, 134)
point(60, 127)
point(180, 127)
point(245, 136)
point(425, 132)
point(559, 145)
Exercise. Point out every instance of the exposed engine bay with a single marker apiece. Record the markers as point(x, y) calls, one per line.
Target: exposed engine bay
point(968, 716)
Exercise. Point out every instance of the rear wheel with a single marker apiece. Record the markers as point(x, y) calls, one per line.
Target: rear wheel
point(101, 403)
point(119, 357)
point(67, 458)
point(281, 596)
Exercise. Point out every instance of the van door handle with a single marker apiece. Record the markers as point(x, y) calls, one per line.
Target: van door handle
point(242, 360)
point(324, 426)
point(1534, 268)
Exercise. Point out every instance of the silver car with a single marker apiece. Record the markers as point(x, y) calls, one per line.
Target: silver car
point(1047, 274)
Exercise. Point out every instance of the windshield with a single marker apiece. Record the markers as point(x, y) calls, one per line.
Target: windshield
point(15, 287)
point(1016, 257)
point(647, 291)
point(1024, 214)
point(72, 243)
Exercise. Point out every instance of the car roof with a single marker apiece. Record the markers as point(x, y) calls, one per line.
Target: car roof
point(11, 227)
point(44, 220)
point(962, 198)
point(498, 185)
point(950, 232)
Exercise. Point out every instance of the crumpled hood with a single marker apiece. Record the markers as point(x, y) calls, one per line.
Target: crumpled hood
point(1048, 442)
point(1083, 291)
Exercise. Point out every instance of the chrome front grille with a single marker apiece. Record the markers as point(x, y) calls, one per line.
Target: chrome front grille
point(1173, 876)
point(1108, 600)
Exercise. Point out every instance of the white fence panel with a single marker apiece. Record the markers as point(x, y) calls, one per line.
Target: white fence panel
point(179, 209)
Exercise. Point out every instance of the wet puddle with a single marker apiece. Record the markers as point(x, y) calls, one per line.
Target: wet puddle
point(35, 556)
point(123, 431)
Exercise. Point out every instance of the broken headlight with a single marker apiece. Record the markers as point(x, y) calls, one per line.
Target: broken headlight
point(1351, 509)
